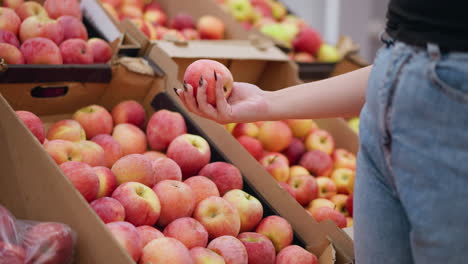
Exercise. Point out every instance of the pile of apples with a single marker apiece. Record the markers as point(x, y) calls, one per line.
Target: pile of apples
point(166, 203)
point(151, 19)
point(51, 34)
point(303, 159)
point(272, 19)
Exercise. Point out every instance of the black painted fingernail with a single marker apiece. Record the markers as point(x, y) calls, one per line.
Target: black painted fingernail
point(200, 83)
point(185, 87)
point(176, 91)
point(215, 76)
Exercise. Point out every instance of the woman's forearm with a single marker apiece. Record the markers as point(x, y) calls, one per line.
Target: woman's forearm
point(340, 96)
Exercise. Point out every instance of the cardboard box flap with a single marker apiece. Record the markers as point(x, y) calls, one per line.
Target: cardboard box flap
point(328, 256)
point(99, 17)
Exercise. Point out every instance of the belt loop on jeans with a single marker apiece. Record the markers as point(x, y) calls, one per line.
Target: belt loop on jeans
point(433, 50)
point(386, 39)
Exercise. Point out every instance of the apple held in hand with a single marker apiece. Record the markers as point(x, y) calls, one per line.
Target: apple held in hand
point(207, 70)
point(127, 236)
point(33, 123)
point(249, 208)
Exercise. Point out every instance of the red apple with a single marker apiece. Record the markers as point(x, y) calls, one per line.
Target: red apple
point(295, 150)
point(166, 250)
point(252, 145)
point(12, 3)
point(155, 17)
point(327, 213)
point(327, 188)
point(277, 165)
point(275, 136)
point(320, 140)
point(349, 205)
point(317, 162)
point(76, 51)
point(263, 8)
point(102, 51)
point(154, 155)
point(259, 248)
point(94, 119)
point(145, 27)
point(11, 253)
point(177, 200)
point(30, 8)
point(230, 248)
point(303, 57)
point(107, 181)
point(295, 255)
point(344, 180)
point(142, 205)
point(319, 202)
point(182, 21)
point(127, 236)
point(91, 153)
point(67, 129)
point(308, 40)
point(297, 170)
point(288, 188)
point(202, 255)
point(207, 68)
point(245, 129)
point(131, 112)
point(58, 8)
point(210, 27)
point(249, 208)
point(131, 139)
point(300, 127)
point(278, 230)
point(9, 20)
point(72, 28)
point(11, 54)
point(41, 51)
point(188, 231)
point(190, 152)
point(108, 209)
point(202, 188)
point(340, 203)
point(344, 159)
point(36, 26)
point(190, 34)
point(33, 123)
point(305, 188)
point(62, 151)
point(163, 127)
point(226, 176)
point(218, 216)
point(148, 234)
point(152, 6)
point(9, 38)
point(83, 178)
point(166, 169)
point(112, 148)
point(134, 168)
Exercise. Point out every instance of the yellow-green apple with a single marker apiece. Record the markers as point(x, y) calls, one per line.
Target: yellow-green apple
point(94, 119)
point(35, 26)
point(319, 202)
point(41, 51)
point(166, 169)
point(48, 242)
point(202, 255)
point(12, 3)
point(134, 168)
point(295, 255)
point(210, 27)
point(320, 140)
point(113, 3)
point(230, 248)
point(91, 153)
point(177, 200)
point(278, 10)
point(245, 129)
point(182, 21)
point(30, 8)
point(328, 53)
point(249, 208)
point(76, 51)
point(242, 10)
point(12, 253)
point(131, 139)
point(303, 57)
point(163, 127)
point(102, 51)
point(327, 213)
point(67, 129)
point(129, 111)
point(252, 145)
point(166, 250)
point(297, 170)
point(277, 165)
point(299, 127)
point(190, 34)
point(278, 32)
point(82, 177)
point(288, 188)
point(154, 155)
point(340, 203)
point(33, 123)
point(138, 3)
point(62, 151)
point(9, 20)
point(275, 136)
point(343, 159)
point(354, 124)
point(308, 40)
point(9, 38)
point(295, 150)
point(207, 70)
point(148, 233)
point(349, 221)
point(58, 8)
point(72, 28)
point(190, 152)
point(11, 54)
point(202, 188)
point(130, 12)
point(112, 148)
point(226, 176)
point(349, 205)
point(327, 188)
point(317, 162)
point(142, 205)
point(259, 248)
point(127, 236)
point(278, 230)
point(107, 181)
point(108, 209)
point(218, 216)
point(305, 188)
point(230, 127)
point(344, 180)
point(188, 231)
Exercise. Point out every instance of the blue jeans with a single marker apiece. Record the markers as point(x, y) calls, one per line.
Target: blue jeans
point(411, 191)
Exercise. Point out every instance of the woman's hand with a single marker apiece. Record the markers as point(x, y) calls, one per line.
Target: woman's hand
point(247, 102)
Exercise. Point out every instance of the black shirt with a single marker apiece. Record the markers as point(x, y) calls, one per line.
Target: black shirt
point(418, 22)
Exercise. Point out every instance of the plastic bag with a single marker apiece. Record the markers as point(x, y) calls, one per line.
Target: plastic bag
point(30, 242)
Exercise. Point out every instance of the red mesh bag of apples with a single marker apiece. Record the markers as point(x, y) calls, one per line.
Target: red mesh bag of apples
point(31, 242)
